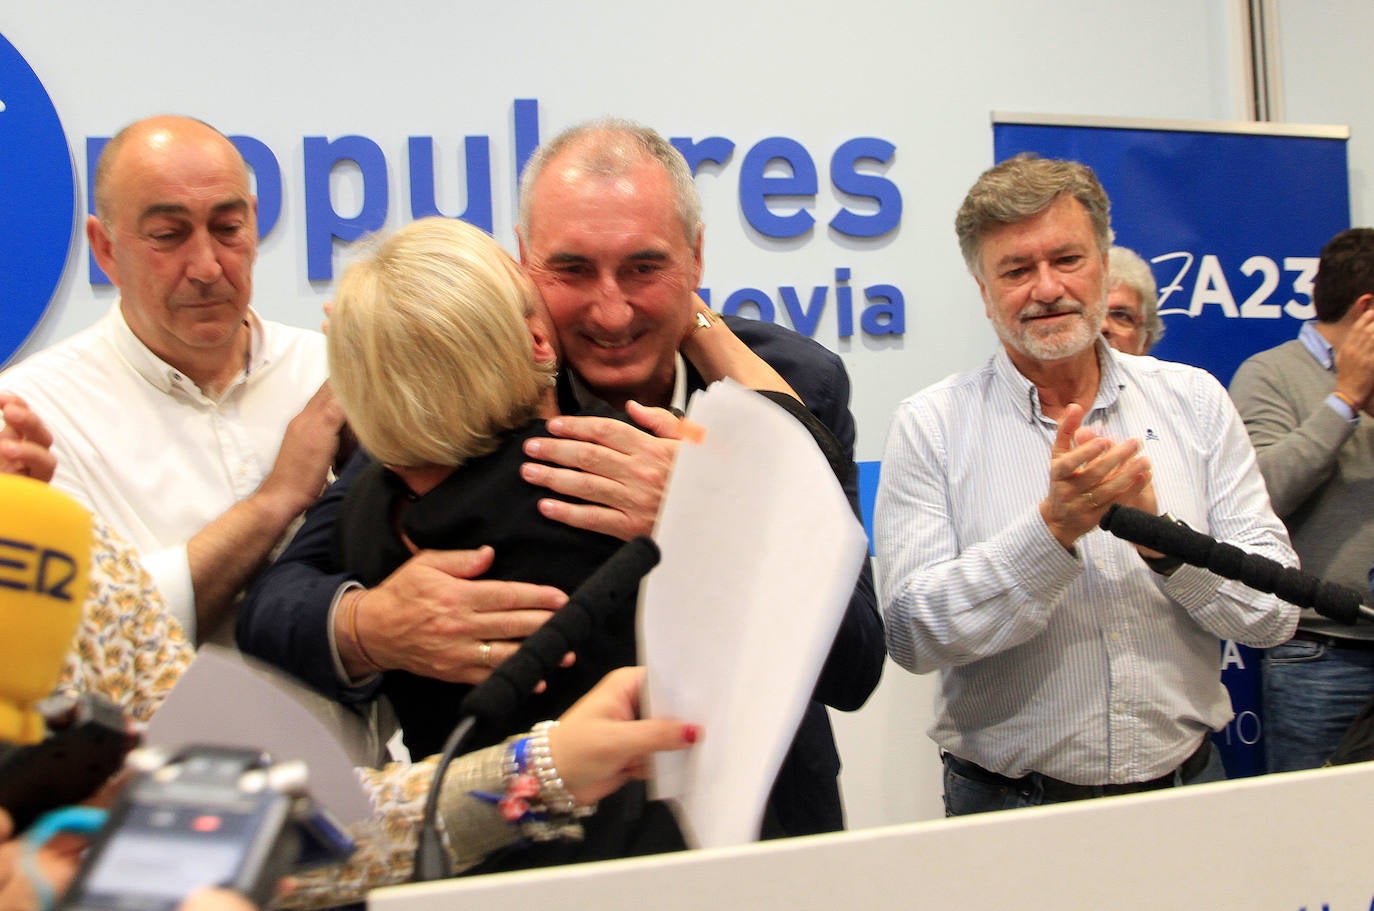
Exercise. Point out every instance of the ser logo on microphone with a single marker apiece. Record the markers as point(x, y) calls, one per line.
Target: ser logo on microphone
point(42, 570)
point(37, 199)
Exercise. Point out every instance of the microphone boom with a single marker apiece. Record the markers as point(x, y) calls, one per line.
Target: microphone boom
point(1336, 602)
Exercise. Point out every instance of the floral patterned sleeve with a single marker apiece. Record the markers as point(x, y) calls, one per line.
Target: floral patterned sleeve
point(128, 648)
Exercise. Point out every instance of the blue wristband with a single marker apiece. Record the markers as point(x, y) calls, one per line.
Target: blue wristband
point(77, 820)
point(518, 751)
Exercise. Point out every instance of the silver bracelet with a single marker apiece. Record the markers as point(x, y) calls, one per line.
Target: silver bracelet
point(553, 792)
point(536, 799)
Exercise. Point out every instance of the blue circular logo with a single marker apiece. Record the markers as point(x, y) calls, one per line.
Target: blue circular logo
point(37, 200)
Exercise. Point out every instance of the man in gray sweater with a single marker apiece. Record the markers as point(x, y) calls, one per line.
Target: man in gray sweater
point(1302, 404)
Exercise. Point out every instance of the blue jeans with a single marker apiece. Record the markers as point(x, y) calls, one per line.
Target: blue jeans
point(1312, 692)
point(964, 795)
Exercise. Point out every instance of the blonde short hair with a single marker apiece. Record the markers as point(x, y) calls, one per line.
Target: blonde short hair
point(429, 352)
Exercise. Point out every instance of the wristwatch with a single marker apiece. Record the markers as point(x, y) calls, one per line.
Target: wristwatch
point(1166, 564)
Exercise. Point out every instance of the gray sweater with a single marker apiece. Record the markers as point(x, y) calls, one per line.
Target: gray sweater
point(1319, 469)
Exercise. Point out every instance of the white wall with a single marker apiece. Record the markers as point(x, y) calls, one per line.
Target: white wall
point(923, 75)
point(1324, 61)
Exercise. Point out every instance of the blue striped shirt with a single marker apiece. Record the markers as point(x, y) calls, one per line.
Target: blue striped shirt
point(1088, 667)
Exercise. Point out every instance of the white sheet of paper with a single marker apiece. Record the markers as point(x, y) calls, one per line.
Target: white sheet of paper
point(223, 700)
point(760, 555)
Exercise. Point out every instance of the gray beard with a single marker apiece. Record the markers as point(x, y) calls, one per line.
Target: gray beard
point(1064, 343)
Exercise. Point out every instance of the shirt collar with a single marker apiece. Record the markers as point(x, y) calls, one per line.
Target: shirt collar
point(1026, 398)
point(586, 399)
point(1317, 345)
point(162, 375)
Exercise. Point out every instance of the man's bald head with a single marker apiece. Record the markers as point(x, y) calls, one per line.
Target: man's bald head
point(159, 130)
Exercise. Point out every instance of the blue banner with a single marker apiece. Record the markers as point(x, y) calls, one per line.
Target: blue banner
point(37, 200)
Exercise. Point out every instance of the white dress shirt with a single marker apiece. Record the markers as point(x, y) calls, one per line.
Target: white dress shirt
point(1088, 667)
point(139, 444)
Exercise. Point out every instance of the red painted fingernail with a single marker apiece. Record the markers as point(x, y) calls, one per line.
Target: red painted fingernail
point(690, 733)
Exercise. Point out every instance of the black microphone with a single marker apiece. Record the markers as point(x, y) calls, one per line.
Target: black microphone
point(1336, 602)
point(596, 602)
point(590, 607)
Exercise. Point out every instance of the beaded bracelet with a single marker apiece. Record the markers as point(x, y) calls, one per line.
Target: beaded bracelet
point(536, 797)
point(552, 790)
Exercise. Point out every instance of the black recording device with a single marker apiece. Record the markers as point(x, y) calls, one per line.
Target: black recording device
point(208, 816)
point(86, 742)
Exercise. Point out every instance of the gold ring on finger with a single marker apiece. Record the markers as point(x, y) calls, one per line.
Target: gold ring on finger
point(485, 648)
